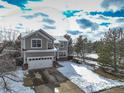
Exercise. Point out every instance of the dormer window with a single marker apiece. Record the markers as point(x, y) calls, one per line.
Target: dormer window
point(36, 43)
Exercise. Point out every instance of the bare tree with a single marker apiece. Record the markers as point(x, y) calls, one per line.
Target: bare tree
point(7, 37)
point(7, 61)
point(7, 66)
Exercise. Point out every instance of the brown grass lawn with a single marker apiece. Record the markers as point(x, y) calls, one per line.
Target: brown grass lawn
point(107, 75)
point(114, 90)
point(110, 76)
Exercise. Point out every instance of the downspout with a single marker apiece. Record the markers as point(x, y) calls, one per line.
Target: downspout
point(24, 52)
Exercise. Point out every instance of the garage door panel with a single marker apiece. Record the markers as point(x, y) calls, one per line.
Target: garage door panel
point(40, 62)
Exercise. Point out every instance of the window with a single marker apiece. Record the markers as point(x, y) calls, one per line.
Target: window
point(63, 44)
point(50, 44)
point(62, 53)
point(36, 43)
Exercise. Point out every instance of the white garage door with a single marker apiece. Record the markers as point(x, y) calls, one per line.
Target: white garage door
point(40, 62)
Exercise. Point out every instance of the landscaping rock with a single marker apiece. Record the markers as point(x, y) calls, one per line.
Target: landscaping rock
point(28, 81)
point(46, 73)
point(37, 82)
point(56, 90)
point(43, 89)
point(38, 76)
point(50, 78)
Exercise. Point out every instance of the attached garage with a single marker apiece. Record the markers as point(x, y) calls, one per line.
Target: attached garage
point(40, 62)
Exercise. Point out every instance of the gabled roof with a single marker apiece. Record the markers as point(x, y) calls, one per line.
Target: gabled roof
point(24, 34)
point(60, 38)
point(27, 34)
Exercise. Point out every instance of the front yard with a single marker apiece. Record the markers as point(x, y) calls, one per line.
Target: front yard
point(16, 87)
point(55, 82)
point(69, 78)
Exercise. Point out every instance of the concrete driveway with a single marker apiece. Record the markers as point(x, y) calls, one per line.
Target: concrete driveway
point(63, 85)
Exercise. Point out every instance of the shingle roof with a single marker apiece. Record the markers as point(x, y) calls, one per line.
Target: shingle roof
point(23, 34)
point(26, 34)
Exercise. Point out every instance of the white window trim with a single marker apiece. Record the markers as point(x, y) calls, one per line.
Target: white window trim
point(36, 39)
point(51, 43)
point(41, 57)
point(63, 52)
point(60, 45)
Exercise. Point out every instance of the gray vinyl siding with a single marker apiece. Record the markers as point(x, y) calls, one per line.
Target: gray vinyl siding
point(22, 44)
point(22, 54)
point(65, 45)
point(62, 49)
point(51, 45)
point(33, 36)
point(39, 54)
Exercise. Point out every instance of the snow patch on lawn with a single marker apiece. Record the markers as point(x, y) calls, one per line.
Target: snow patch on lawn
point(17, 87)
point(86, 79)
point(95, 56)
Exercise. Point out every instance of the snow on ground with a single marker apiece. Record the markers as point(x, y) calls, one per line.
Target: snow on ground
point(89, 61)
point(95, 56)
point(18, 87)
point(86, 79)
point(92, 62)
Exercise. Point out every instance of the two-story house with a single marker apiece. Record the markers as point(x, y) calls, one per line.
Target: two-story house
point(39, 50)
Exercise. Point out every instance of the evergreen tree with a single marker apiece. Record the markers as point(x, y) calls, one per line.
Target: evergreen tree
point(89, 47)
point(110, 51)
point(76, 49)
point(95, 46)
point(80, 47)
point(121, 48)
point(104, 52)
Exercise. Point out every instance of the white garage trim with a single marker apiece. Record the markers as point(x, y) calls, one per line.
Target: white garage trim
point(47, 50)
point(40, 58)
point(40, 62)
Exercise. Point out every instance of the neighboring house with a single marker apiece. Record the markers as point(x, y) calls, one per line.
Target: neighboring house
point(38, 49)
point(61, 44)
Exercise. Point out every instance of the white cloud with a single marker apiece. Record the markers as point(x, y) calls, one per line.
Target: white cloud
point(113, 4)
point(11, 16)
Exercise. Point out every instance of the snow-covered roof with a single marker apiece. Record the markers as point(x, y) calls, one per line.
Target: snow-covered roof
point(23, 34)
point(59, 38)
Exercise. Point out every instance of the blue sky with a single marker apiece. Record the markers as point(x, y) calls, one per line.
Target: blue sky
point(91, 18)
